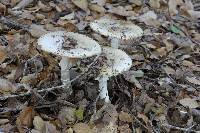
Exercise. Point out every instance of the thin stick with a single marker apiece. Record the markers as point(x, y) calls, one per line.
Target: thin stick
point(179, 128)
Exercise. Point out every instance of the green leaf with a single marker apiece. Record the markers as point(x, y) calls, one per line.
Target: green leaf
point(79, 113)
point(175, 29)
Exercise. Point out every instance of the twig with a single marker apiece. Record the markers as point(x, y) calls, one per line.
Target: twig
point(149, 130)
point(30, 92)
point(179, 128)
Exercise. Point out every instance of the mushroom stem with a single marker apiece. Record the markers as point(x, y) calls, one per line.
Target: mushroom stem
point(65, 65)
point(115, 42)
point(103, 88)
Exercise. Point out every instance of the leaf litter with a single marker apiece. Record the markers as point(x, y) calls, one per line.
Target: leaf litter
point(159, 94)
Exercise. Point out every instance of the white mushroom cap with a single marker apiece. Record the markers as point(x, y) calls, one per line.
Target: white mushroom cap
point(117, 62)
point(116, 28)
point(53, 42)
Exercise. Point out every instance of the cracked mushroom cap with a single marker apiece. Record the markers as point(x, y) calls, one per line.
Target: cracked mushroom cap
point(117, 62)
point(116, 28)
point(69, 44)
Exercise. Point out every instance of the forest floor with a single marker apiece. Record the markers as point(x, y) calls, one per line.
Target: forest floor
point(160, 93)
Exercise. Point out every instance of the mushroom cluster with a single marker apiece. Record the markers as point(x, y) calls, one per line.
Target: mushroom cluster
point(71, 46)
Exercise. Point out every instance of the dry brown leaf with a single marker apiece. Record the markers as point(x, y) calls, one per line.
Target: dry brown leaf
point(3, 54)
point(136, 2)
point(70, 27)
point(67, 115)
point(150, 46)
point(188, 5)
point(37, 30)
point(70, 130)
point(187, 63)
point(82, 128)
point(68, 16)
point(97, 8)
point(125, 117)
point(197, 37)
point(195, 15)
point(193, 80)
point(110, 128)
point(29, 79)
point(173, 6)
point(143, 117)
point(169, 45)
point(39, 124)
point(122, 11)
point(3, 121)
point(22, 4)
point(6, 128)
point(50, 128)
point(154, 3)
point(35, 131)
point(149, 18)
point(188, 102)
point(83, 4)
point(2, 8)
point(43, 7)
point(99, 2)
point(25, 119)
point(131, 78)
point(40, 16)
point(161, 51)
point(169, 70)
point(124, 129)
point(6, 87)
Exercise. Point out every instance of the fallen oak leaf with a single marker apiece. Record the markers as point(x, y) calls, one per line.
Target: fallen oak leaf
point(25, 119)
point(22, 4)
point(125, 117)
point(6, 87)
point(149, 18)
point(188, 102)
point(173, 6)
point(2, 8)
point(195, 15)
point(3, 54)
point(82, 128)
point(50, 128)
point(39, 124)
point(154, 3)
point(83, 4)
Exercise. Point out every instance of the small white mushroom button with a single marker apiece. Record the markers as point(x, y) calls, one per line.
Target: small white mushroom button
point(116, 30)
point(68, 45)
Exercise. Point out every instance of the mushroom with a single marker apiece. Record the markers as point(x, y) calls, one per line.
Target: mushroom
point(116, 30)
point(117, 61)
point(69, 46)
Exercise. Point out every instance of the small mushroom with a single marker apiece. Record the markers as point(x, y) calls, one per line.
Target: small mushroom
point(69, 46)
point(116, 30)
point(117, 61)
